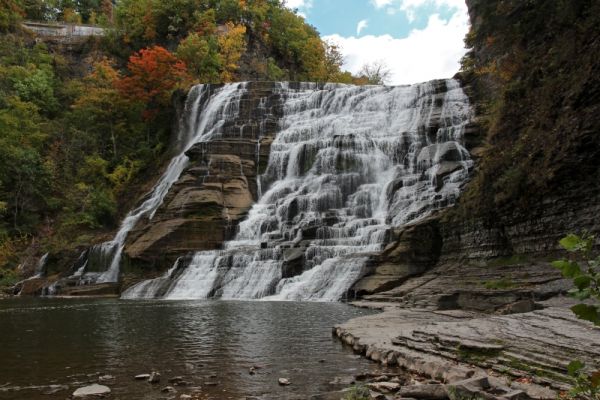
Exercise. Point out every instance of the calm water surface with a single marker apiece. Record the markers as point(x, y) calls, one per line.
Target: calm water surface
point(211, 344)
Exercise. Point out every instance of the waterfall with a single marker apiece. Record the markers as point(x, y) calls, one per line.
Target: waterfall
point(348, 163)
point(217, 106)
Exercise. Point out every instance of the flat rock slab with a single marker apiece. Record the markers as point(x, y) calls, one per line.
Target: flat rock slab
point(455, 345)
point(91, 391)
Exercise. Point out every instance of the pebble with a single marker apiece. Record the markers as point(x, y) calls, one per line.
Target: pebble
point(142, 376)
point(284, 381)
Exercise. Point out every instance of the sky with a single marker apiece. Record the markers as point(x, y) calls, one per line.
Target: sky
point(418, 40)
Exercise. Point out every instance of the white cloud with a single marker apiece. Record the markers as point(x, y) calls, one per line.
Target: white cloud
point(295, 3)
point(361, 25)
point(381, 3)
point(411, 7)
point(301, 5)
point(429, 53)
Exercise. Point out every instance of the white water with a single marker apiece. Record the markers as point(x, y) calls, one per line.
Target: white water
point(216, 107)
point(347, 164)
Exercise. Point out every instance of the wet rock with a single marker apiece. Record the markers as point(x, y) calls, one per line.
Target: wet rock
point(142, 377)
point(105, 378)
point(252, 371)
point(94, 390)
point(168, 389)
point(185, 397)
point(154, 377)
point(284, 381)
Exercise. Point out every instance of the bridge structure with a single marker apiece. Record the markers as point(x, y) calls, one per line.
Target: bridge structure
point(63, 31)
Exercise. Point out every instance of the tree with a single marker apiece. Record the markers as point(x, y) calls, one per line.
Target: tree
point(232, 44)
point(201, 56)
point(376, 73)
point(333, 61)
point(10, 15)
point(154, 73)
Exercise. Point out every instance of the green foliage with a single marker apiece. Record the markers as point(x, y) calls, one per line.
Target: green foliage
point(586, 277)
point(357, 392)
point(201, 56)
point(10, 15)
point(587, 385)
point(73, 143)
point(8, 277)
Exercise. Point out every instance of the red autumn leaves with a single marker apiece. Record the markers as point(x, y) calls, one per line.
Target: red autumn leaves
point(154, 73)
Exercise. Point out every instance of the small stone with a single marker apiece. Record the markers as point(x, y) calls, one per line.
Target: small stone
point(154, 377)
point(185, 397)
point(284, 381)
point(92, 390)
point(141, 377)
point(252, 371)
point(168, 389)
point(104, 378)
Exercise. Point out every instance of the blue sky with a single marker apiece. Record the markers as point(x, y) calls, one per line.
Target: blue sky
point(419, 40)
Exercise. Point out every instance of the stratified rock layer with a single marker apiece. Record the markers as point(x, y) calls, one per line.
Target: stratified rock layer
point(216, 189)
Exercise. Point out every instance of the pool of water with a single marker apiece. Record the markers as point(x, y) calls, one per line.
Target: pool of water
point(211, 344)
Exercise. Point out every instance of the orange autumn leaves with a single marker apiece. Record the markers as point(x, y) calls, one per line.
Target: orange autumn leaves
point(154, 73)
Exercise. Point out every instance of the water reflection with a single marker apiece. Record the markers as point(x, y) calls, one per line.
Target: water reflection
point(212, 344)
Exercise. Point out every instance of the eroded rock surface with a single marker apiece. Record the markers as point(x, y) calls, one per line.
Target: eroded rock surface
point(454, 345)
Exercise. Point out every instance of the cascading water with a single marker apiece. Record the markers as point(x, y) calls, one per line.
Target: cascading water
point(347, 164)
point(217, 106)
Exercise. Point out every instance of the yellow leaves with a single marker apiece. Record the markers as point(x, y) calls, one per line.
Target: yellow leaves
point(104, 73)
point(232, 43)
point(123, 174)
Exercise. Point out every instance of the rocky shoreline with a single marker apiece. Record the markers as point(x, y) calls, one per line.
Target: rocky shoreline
point(521, 355)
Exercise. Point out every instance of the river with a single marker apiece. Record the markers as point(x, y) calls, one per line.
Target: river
point(212, 345)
